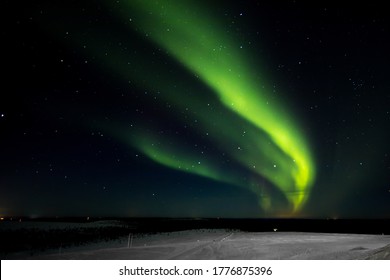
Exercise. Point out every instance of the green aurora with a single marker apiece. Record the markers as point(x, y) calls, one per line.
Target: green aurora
point(256, 131)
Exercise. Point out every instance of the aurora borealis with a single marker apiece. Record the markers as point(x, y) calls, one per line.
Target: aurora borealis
point(274, 143)
point(196, 109)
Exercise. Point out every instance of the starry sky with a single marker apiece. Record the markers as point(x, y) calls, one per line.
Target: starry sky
point(234, 109)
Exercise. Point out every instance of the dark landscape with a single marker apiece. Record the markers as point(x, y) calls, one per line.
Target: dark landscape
point(48, 238)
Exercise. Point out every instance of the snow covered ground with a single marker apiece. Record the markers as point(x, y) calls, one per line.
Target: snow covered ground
point(111, 239)
point(221, 244)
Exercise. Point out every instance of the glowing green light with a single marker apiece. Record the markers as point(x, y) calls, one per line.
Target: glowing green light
point(274, 146)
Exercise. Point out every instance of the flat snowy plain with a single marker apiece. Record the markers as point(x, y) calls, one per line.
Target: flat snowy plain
point(199, 244)
point(220, 244)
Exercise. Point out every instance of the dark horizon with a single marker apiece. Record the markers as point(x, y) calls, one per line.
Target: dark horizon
point(158, 224)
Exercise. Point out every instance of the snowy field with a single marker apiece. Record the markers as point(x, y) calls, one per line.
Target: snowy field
point(125, 240)
point(220, 244)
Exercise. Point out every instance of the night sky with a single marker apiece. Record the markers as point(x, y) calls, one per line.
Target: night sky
point(234, 109)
